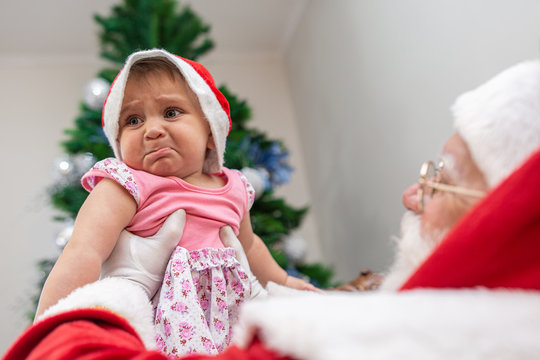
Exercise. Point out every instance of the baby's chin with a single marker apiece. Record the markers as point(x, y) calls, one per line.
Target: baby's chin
point(164, 172)
point(165, 168)
point(412, 248)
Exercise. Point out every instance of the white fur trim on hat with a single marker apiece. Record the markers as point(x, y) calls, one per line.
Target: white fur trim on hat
point(500, 120)
point(203, 87)
point(118, 295)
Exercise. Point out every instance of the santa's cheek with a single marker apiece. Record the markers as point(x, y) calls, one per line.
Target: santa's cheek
point(441, 215)
point(434, 219)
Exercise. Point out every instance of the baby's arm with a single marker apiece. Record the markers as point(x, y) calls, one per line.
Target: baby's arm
point(105, 213)
point(263, 265)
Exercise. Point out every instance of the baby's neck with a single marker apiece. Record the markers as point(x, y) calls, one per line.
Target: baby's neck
point(207, 181)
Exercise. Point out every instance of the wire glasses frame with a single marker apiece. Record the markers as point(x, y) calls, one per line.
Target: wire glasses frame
point(429, 181)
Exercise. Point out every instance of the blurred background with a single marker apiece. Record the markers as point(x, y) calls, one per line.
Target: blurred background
point(358, 90)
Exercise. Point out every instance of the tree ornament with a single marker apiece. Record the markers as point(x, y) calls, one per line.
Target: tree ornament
point(295, 247)
point(68, 169)
point(62, 170)
point(95, 92)
point(83, 162)
point(273, 158)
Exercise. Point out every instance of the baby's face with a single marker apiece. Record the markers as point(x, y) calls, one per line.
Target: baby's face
point(162, 129)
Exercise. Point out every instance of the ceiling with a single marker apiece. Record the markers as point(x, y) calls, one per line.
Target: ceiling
point(65, 28)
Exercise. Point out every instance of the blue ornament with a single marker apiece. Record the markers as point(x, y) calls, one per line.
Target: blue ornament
point(274, 160)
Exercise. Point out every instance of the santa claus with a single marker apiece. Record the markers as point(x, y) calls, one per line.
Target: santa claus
point(465, 283)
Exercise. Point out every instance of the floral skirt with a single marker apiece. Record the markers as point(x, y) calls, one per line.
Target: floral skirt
point(199, 301)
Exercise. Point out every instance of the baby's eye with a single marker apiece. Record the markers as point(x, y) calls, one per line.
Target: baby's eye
point(170, 113)
point(133, 120)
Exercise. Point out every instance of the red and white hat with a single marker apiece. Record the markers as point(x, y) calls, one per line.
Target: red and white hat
point(500, 120)
point(213, 103)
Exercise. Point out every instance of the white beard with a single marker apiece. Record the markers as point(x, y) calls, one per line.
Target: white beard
point(412, 250)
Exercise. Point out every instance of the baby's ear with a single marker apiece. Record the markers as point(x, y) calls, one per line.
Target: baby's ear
point(211, 144)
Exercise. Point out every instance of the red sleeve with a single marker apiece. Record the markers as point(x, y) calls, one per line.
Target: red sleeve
point(96, 334)
point(81, 334)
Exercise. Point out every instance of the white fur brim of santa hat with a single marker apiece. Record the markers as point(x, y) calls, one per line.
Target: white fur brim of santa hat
point(213, 103)
point(121, 296)
point(500, 120)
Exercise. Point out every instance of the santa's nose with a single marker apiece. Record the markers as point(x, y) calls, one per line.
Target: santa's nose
point(410, 198)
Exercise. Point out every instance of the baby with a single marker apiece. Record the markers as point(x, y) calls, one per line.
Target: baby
point(167, 124)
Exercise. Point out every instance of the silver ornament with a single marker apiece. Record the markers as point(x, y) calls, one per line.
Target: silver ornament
point(295, 247)
point(64, 236)
point(62, 170)
point(83, 162)
point(95, 93)
point(68, 169)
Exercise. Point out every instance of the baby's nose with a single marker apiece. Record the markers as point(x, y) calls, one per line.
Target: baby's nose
point(153, 129)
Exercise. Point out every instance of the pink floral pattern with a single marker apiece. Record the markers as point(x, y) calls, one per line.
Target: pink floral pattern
point(249, 189)
point(199, 301)
point(202, 290)
point(119, 172)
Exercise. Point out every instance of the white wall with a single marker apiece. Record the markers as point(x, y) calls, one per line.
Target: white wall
point(263, 83)
point(38, 102)
point(372, 82)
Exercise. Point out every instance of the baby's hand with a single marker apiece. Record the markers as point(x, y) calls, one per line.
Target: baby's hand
point(299, 284)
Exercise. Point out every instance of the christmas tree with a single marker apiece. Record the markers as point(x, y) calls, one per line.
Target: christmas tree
point(145, 24)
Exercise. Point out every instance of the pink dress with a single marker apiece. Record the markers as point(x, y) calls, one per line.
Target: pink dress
point(204, 284)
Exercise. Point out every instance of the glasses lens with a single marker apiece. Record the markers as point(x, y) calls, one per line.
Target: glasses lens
point(431, 177)
point(428, 175)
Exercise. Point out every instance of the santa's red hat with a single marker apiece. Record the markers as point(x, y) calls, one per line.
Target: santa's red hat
point(213, 103)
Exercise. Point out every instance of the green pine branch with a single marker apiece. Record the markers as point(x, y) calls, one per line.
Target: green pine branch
point(147, 24)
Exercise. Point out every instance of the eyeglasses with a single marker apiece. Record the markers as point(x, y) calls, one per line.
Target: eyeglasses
point(430, 181)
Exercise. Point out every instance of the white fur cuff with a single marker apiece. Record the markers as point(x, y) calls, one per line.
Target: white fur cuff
point(120, 296)
point(419, 324)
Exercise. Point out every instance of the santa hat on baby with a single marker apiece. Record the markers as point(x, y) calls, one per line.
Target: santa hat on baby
point(213, 103)
point(497, 243)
